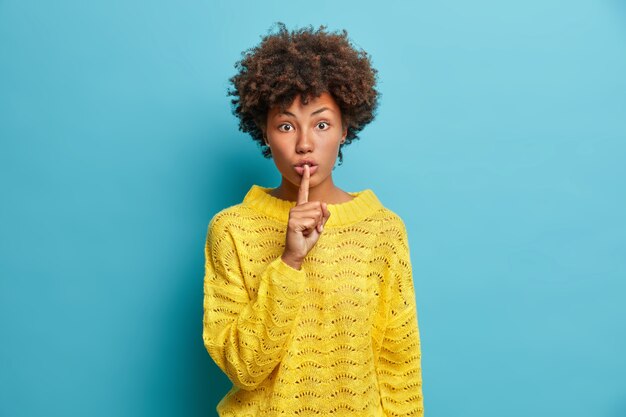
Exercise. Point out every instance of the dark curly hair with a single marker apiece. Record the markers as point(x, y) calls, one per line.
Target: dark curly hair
point(305, 62)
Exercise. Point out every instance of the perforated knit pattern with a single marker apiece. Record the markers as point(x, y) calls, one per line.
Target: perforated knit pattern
point(338, 337)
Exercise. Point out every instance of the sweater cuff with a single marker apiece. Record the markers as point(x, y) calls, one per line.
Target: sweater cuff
point(294, 278)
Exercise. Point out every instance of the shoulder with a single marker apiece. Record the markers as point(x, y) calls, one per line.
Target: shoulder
point(393, 234)
point(392, 217)
point(384, 213)
point(393, 221)
point(223, 221)
point(228, 213)
point(239, 221)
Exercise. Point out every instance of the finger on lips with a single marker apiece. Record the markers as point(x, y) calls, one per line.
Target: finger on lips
point(303, 198)
point(303, 192)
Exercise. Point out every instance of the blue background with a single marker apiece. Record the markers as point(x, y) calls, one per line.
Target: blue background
point(500, 140)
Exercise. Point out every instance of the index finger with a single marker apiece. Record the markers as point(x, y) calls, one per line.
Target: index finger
point(303, 191)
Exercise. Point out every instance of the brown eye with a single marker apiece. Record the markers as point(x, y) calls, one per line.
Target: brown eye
point(322, 123)
point(279, 127)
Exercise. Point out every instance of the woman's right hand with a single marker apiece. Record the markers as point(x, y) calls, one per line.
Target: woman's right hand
point(305, 225)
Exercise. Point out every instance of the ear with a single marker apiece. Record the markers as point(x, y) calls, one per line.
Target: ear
point(344, 134)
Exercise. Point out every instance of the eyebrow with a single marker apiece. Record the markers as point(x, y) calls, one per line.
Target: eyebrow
point(315, 112)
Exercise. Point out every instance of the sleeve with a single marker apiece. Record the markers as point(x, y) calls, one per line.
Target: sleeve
point(399, 366)
point(247, 336)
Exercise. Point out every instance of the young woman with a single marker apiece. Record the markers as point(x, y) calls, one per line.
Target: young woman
point(309, 303)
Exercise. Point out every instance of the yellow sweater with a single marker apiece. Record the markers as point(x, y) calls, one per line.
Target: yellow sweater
point(338, 337)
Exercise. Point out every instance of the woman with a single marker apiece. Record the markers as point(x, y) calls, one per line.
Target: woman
point(309, 305)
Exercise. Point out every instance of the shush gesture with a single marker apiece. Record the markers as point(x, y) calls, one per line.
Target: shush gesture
point(305, 225)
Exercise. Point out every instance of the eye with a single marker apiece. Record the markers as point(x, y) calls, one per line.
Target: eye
point(324, 125)
point(284, 124)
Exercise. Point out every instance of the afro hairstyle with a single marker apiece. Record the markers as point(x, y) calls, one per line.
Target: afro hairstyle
point(305, 62)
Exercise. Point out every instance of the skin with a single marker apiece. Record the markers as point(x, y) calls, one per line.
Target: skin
point(306, 131)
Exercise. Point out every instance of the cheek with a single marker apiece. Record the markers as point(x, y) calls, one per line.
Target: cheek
point(280, 156)
point(330, 148)
point(281, 159)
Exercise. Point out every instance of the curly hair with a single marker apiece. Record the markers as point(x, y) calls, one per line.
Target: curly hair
point(305, 62)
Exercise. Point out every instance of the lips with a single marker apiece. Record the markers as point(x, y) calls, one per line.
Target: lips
point(310, 162)
point(300, 169)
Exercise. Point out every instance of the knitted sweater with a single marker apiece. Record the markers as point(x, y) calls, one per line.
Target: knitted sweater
point(337, 337)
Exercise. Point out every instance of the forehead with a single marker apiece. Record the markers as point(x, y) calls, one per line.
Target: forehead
point(297, 105)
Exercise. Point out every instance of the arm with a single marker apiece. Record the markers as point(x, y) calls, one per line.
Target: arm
point(246, 336)
point(399, 366)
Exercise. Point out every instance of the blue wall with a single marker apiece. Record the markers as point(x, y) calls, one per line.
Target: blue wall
point(501, 140)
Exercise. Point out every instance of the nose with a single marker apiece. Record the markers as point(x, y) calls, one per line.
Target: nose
point(304, 142)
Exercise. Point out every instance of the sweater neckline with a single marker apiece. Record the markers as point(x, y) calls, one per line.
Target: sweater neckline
point(364, 203)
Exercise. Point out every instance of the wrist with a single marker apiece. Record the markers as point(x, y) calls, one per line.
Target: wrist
point(294, 263)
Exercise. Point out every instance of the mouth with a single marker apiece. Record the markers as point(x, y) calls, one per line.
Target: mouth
point(309, 162)
point(299, 168)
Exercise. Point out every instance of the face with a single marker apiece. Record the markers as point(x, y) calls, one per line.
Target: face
point(311, 131)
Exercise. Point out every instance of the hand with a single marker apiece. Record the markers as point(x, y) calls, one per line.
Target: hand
point(305, 225)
